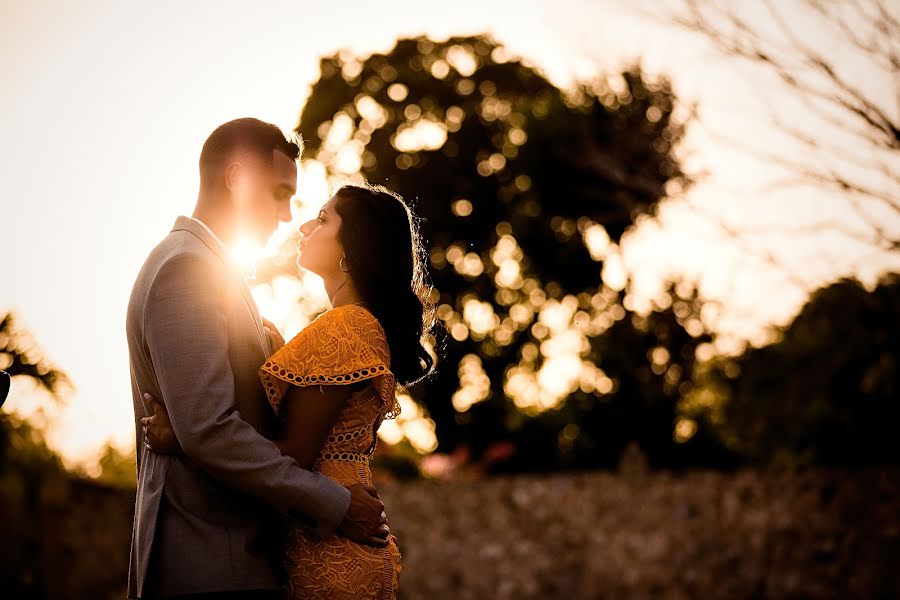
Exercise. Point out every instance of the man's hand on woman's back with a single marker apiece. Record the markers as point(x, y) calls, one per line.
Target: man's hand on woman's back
point(275, 339)
point(365, 521)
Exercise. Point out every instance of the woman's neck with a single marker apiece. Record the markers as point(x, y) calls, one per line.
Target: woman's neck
point(342, 292)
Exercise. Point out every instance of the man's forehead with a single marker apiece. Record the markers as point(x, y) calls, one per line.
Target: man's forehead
point(283, 164)
point(280, 166)
point(284, 169)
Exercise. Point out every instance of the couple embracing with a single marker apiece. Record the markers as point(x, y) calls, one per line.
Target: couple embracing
point(252, 453)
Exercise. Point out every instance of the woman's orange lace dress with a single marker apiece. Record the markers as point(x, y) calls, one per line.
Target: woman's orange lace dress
point(344, 345)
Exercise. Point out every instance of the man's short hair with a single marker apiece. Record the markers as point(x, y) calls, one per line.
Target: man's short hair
point(249, 135)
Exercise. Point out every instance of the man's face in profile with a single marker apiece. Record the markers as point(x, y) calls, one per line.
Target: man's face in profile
point(263, 199)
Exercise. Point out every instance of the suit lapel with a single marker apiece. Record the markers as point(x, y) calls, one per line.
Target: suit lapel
point(194, 228)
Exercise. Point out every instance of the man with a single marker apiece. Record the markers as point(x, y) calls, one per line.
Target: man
point(205, 521)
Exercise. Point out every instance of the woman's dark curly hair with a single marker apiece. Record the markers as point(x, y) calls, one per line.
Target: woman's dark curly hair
point(380, 238)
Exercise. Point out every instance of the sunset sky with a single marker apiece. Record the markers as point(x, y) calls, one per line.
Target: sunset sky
point(105, 106)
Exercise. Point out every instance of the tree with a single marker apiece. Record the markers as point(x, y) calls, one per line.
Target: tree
point(522, 188)
point(26, 463)
point(826, 392)
point(20, 357)
point(646, 362)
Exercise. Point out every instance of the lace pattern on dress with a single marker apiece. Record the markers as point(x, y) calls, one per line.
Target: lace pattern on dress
point(341, 346)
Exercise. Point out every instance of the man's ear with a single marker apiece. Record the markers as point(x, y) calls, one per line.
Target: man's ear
point(4, 386)
point(234, 172)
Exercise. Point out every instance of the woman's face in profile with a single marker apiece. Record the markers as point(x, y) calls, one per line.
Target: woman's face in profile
point(319, 250)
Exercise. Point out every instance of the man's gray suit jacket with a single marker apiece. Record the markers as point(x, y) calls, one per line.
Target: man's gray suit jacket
point(206, 520)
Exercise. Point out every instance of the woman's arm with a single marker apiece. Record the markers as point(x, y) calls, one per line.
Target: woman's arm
point(309, 415)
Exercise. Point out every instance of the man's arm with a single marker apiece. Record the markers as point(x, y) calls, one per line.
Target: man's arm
point(186, 332)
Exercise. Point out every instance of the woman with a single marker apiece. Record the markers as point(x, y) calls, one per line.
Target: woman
point(334, 383)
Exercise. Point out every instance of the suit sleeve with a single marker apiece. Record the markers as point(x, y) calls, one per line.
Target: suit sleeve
point(186, 333)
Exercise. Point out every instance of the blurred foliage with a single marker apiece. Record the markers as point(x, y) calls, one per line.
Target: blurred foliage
point(26, 464)
point(523, 189)
point(827, 392)
point(21, 444)
point(648, 359)
point(52, 516)
point(117, 468)
point(23, 448)
point(652, 358)
point(19, 355)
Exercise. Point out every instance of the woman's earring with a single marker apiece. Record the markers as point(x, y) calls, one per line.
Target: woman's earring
point(343, 267)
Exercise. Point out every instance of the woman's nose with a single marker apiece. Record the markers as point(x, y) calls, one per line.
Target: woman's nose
point(306, 228)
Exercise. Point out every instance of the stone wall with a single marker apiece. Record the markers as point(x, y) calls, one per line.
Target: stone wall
point(750, 534)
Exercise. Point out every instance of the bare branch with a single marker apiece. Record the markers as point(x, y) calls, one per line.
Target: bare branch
point(748, 44)
point(841, 107)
